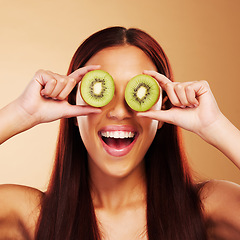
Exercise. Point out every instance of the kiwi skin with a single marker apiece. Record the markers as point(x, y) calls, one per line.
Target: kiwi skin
point(142, 92)
point(106, 88)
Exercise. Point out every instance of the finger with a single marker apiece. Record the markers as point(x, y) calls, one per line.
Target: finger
point(162, 80)
point(79, 73)
point(77, 110)
point(67, 89)
point(47, 80)
point(159, 115)
point(191, 96)
point(60, 85)
point(167, 85)
point(42, 77)
point(173, 97)
point(64, 90)
point(200, 88)
point(181, 94)
point(49, 87)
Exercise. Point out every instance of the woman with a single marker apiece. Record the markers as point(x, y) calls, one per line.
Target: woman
point(139, 191)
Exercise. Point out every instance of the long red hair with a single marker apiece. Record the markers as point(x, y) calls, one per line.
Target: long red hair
point(174, 209)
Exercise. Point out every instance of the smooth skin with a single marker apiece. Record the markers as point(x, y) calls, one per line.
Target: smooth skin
point(122, 215)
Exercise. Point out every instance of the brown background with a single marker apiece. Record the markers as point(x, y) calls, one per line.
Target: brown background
point(201, 39)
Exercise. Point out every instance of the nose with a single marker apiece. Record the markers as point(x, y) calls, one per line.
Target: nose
point(118, 109)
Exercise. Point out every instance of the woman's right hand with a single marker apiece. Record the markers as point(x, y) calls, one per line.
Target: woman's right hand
point(44, 99)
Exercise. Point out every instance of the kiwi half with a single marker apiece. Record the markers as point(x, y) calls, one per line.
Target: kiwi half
point(97, 88)
point(142, 92)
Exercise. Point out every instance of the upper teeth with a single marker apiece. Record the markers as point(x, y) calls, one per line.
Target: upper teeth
point(117, 134)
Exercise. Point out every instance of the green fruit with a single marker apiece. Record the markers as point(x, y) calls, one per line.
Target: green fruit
point(142, 92)
point(97, 88)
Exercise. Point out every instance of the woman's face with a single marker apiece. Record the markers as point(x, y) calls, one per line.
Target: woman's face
point(130, 136)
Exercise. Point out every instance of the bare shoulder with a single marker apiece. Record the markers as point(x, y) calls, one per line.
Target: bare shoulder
point(221, 200)
point(19, 211)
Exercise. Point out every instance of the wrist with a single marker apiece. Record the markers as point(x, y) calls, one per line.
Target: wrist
point(212, 132)
point(223, 135)
point(14, 120)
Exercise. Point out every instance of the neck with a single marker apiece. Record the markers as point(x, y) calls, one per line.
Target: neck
point(114, 193)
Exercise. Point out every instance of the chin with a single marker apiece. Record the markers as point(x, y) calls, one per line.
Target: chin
point(123, 168)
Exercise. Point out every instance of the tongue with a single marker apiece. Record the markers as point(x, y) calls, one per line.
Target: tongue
point(117, 143)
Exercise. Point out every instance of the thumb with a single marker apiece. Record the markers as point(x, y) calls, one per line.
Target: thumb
point(77, 110)
point(159, 115)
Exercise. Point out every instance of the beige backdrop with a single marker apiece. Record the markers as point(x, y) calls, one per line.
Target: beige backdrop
point(201, 39)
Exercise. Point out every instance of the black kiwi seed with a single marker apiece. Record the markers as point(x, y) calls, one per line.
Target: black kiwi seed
point(97, 88)
point(142, 92)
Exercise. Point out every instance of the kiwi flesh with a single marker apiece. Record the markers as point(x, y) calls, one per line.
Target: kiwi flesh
point(142, 92)
point(97, 88)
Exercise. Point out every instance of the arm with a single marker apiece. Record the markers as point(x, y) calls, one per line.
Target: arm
point(19, 211)
point(195, 109)
point(44, 100)
point(12, 121)
point(224, 136)
point(221, 200)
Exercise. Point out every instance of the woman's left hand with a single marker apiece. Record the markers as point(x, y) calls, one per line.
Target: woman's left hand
point(194, 106)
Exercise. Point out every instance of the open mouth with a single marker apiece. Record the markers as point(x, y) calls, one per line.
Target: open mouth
point(117, 139)
point(118, 143)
